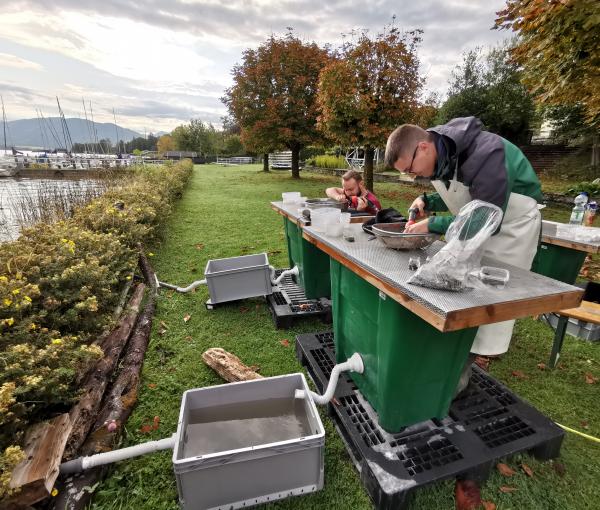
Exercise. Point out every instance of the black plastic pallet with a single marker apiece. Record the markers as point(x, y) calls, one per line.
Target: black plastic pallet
point(485, 423)
point(289, 303)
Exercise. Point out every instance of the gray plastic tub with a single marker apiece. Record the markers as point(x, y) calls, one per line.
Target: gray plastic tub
point(238, 278)
point(580, 329)
point(249, 475)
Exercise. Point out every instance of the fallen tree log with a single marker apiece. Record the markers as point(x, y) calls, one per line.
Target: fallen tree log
point(84, 413)
point(116, 408)
point(229, 366)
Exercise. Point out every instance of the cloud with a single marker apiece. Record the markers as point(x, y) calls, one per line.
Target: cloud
point(7, 60)
point(160, 62)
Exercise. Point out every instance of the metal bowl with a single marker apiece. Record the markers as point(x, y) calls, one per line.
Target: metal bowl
point(319, 203)
point(392, 235)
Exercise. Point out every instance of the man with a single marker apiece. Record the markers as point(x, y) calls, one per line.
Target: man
point(466, 163)
point(353, 192)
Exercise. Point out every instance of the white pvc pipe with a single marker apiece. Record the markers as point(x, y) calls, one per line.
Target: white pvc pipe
point(192, 286)
point(354, 364)
point(275, 281)
point(100, 459)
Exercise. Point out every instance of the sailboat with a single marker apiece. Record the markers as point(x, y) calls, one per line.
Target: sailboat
point(8, 167)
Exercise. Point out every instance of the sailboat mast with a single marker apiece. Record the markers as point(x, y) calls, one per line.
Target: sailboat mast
point(3, 121)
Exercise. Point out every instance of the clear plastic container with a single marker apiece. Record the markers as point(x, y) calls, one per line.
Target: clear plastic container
point(579, 209)
point(291, 197)
point(321, 218)
point(335, 229)
point(345, 218)
point(495, 276)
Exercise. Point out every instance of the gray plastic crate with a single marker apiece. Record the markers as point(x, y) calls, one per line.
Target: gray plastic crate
point(250, 475)
point(580, 329)
point(238, 278)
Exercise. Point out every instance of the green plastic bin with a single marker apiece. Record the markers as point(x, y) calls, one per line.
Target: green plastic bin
point(313, 264)
point(558, 262)
point(411, 368)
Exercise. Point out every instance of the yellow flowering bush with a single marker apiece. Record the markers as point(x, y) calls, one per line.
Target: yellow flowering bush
point(59, 285)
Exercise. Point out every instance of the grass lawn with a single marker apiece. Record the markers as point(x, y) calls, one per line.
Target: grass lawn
point(225, 212)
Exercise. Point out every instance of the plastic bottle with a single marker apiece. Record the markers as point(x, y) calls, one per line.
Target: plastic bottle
point(579, 209)
point(590, 214)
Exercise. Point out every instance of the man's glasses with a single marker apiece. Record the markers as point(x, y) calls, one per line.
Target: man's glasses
point(409, 169)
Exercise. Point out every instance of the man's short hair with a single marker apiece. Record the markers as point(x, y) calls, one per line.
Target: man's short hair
point(402, 141)
point(352, 174)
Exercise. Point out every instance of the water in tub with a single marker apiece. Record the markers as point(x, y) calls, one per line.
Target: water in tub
point(233, 426)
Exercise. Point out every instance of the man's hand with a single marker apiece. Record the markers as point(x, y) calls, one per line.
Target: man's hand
point(341, 197)
point(419, 204)
point(422, 227)
point(361, 204)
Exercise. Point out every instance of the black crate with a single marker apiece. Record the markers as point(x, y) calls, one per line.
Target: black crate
point(289, 303)
point(486, 423)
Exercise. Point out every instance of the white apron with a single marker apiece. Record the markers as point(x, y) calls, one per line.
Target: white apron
point(515, 244)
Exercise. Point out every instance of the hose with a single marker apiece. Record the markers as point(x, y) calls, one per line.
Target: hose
point(354, 364)
point(275, 281)
point(100, 459)
point(190, 287)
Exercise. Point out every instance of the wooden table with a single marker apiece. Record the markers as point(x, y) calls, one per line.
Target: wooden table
point(525, 295)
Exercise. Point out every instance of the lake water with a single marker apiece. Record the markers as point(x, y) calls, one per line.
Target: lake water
point(16, 193)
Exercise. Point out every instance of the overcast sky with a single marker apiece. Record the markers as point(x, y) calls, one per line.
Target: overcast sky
point(159, 63)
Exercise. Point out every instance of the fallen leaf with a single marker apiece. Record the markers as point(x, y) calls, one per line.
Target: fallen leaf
point(519, 374)
point(187, 318)
point(467, 495)
point(199, 246)
point(507, 490)
point(164, 324)
point(488, 505)
point(585, 424)
point(152, 386)
point(528, 471)
point(541, 366)
point(146, 429)
point(285, 342)
point(504, 469)
point(254, 368)
point(243, 309)
point(156, 422)
point(590, 379)
point(304, 306)
point(162, 331)
point(559, 468)
point(189, 338)
point(335, 402)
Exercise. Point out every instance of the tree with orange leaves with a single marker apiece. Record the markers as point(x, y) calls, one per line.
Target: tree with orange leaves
point(273, 97)
point(370, 90)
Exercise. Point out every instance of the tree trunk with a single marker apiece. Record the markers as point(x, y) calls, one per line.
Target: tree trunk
point(83, 415)
point(368, 168)
point(229, 366)
point(266, 162)
point(116, 408)
point(296, 163)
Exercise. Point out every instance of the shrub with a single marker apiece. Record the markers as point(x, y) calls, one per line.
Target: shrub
point(325, 161)
point(59, 284)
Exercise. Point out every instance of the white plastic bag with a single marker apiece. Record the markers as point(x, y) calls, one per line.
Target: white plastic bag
point(450, 268)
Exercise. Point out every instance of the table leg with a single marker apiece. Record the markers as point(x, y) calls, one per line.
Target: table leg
point(559, 338)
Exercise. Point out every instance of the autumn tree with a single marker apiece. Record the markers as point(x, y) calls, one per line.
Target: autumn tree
point(273, 98)
point(370, 89)
point(559, 49)
point(165, 144)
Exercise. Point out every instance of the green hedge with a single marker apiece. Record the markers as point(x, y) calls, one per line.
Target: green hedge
point(59, 285)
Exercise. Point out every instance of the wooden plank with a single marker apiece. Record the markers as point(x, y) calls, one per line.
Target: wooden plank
point(498, 312)
point(284, 214)
point(573, 245)
point(587, 311)
point(360, 219)
point(44, 445)
point(460, 319)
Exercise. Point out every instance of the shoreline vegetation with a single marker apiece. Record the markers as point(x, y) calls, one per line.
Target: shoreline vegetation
point(60, 283)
